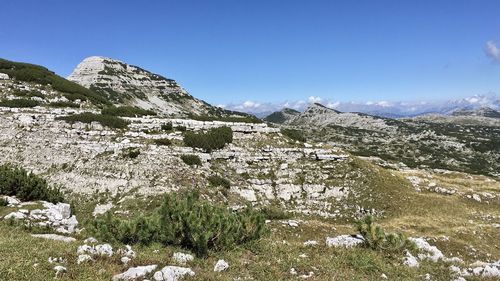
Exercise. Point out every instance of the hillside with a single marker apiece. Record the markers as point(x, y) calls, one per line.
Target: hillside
point(125, 84)
point(459, 143)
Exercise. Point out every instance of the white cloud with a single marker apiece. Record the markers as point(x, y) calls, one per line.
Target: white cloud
point(492, 51)
point(313, 99)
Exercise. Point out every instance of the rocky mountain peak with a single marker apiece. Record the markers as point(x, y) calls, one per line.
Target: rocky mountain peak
point(484, 111)
point(317, 108)
point(127, 84)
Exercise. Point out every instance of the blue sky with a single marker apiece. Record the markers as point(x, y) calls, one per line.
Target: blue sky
point(233, 51)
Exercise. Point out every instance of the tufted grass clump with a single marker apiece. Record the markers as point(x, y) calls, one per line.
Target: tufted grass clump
point(376, 238)
point(191, 160)
point(213, 139)
point(186, 221)
point(16, 181)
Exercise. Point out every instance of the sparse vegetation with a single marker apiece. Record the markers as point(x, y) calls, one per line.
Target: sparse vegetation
point(3, 202)
point(191, 160)
point(19, 103)
point(131, 152)
point(216, 180)
point(294, 134)
point(15, 181)
point(105, 120)
point(167, 126)
point(41, 75)
point(126, 111)
point(215, 138)
point(376, 238)
point(240, 118)
point(187, 221)
point(64, 104)
point(163, 142)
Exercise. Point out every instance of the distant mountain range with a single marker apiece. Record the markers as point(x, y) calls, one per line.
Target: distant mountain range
point(382, 108)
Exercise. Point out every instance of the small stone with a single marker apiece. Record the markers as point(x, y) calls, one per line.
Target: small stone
point(182, 258)
point(59, 270)
point(221, 265)
point(172, 273)
point(134, 273)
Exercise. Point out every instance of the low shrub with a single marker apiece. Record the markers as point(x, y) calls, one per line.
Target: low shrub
point(191, 160)
point(126, 111)
point(186, 221)
point(214, 138)
point(274, 212)
point(376, 238)
point(131, 153)
point(15, 181)
point(163, 142)
point(19, 103)
point(167, 126)
point(216, 180)
point(105, 120)
point(3, 202)
point(181, 128)
point(64, 104)
point(294, 134)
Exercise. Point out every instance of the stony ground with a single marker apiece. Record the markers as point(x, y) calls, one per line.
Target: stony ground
point(319, 189)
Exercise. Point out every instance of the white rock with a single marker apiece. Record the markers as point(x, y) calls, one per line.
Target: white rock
point(90, 240)
point(172, 273)
point(134, 273)
point(125, 260)
point(429, 252)
point(344, 241)
point(293, 271)
point(104, 250)
point(311, 243)
point(306, 276)
point(182, 258)
point(126, 252)
point(83, 258)
point(221, 265)
point(15, 216)
point(102, 209)
point(410, 260)
point(59, 270)
point(54, 237)
point(383, 276)
point(293, 223)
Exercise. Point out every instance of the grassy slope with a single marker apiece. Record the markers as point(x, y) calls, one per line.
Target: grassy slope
point(416, 214)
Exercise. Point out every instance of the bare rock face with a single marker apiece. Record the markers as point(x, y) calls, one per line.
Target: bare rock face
point(127, 84)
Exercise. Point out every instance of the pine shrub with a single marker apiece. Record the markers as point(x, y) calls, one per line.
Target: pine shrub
point(126, 111)
point(167, 126)
point(376, 238)
point(215, 138)
point(216, 180)
point(191, 160)
point(105, 120)
point(131, 153)
point(163, 142)
point(19, 103)
point(186, 221)
point(15, 181)
point(3, 202)
point(295, 135)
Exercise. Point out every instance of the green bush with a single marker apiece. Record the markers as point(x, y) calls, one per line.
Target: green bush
point(64, 104)
point(376, 239)
point(126, 111)
point(41, 75)
point(191, 160)
point(216, 180)
point(186, 221)
point(274, 212)
point(131, 153)
point(181, 128)
point(105, 120)
point(3, 202)
point(19, 103)
point(167, 126)
point(294, 134)
point(26, 186)
point(215, 138)
point(242, 118)
point(163, 142)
